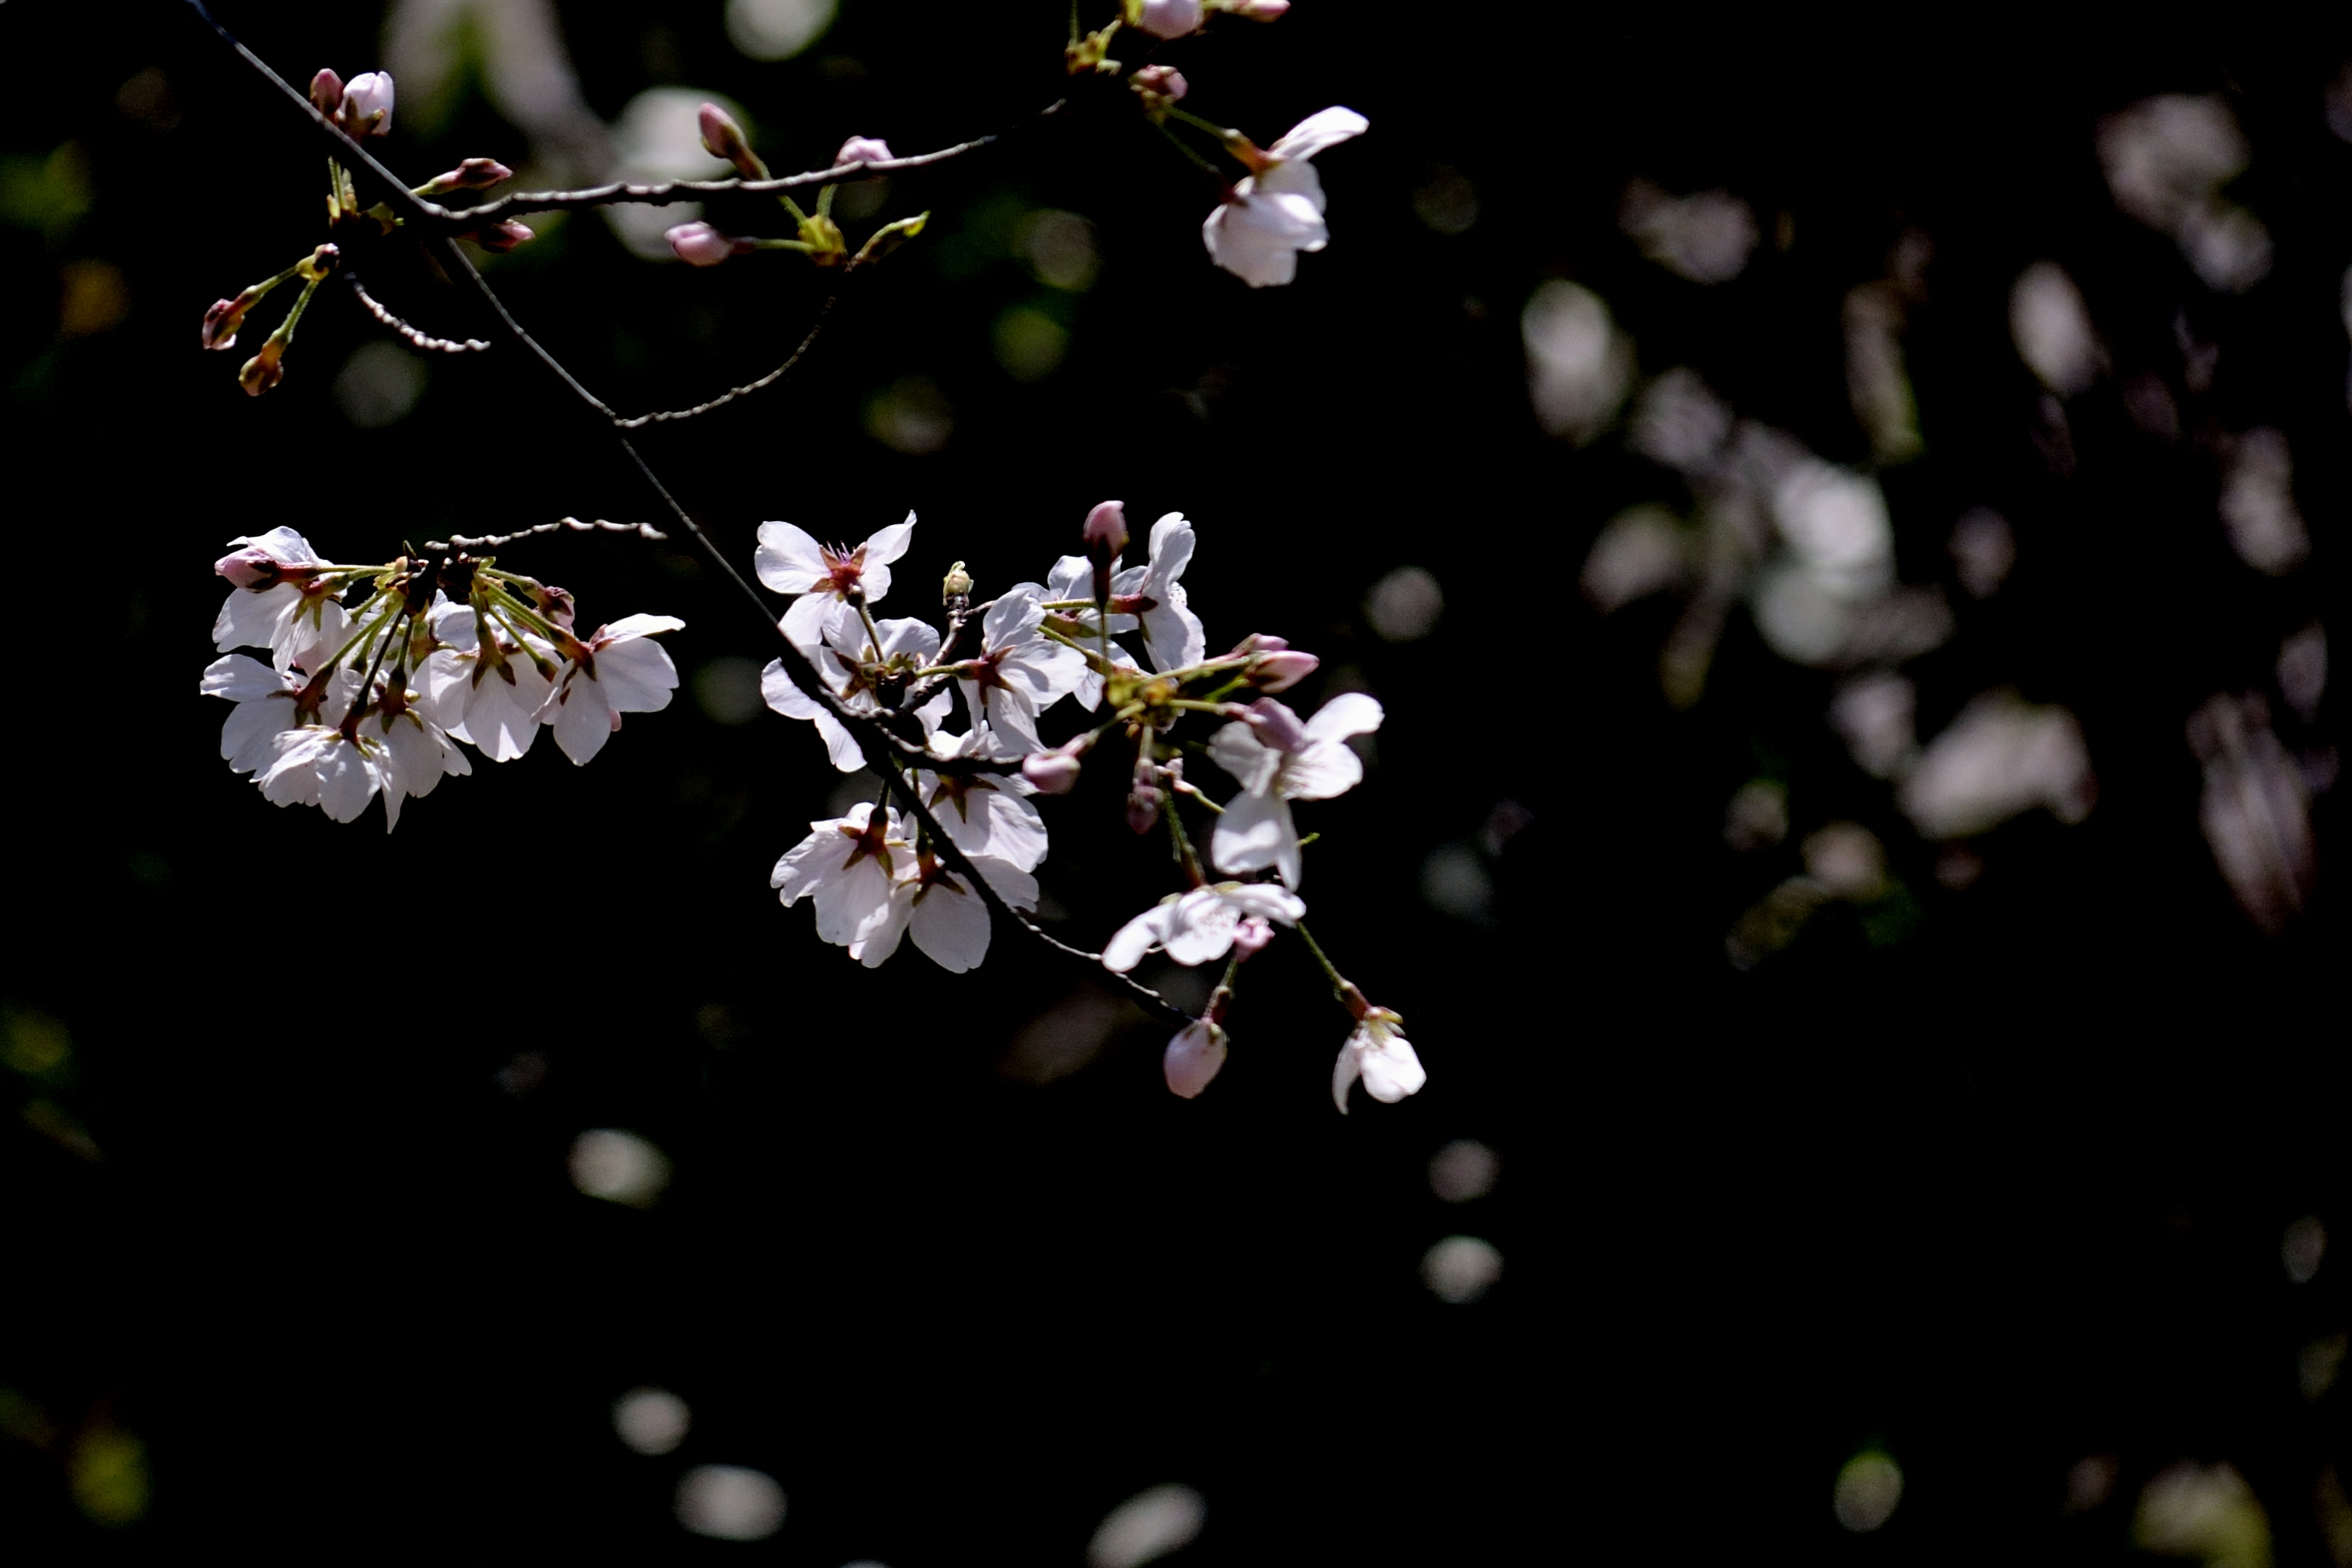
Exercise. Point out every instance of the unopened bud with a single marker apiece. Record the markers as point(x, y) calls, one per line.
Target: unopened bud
point(262, 372)
point(1251, 935)
point(222, 321)
point(722, 138)
point(864, 149)
point(1193, 1057)
point(326, 92)
point(1105, 536)
point(1168, 19)
point(699, 245)
point(1143, 807)
point(1052, 772)
point(1160, 85)
point(1277, 726)
point(367, 104)
point(1257, 10)
point(555, 604)
point(251, 567)
point(956, 587)
point(473, 174)
point(1280, 672)
point(500, 236)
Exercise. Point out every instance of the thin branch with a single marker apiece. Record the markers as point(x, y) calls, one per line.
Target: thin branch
point(887, 752)
point(748, 388)
point(664, 193)
point(415, 339)
point(563, 525)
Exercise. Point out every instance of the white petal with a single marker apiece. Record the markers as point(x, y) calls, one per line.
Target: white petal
point(1322, 129)
point(635, 676)
point(582, 723)
point(1256, 831)
point(1138, 936)
point(789, 560)
point(950, 926)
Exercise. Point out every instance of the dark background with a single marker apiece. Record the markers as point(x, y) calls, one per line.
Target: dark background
point(293, 1254)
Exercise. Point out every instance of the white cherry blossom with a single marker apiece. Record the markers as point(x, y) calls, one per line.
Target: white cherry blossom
point(985, 814)
point(791, 560)
point(907, 645)
point(617, 671)
point(1379, 1054)
point(1172, 634)
point(947, 919)
point(1199, 925)
point(1276, 760)
point(279, 602)
point(266, 707)
point(319, 765)
point(1020, 672)
point(491, 691)
point(1278, 212)
point(846, 867)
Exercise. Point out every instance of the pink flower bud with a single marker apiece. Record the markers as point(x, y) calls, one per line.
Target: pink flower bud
point(1143, 807)
point(1252, 935)
point(472, 174)
point(222, 320)
point(1280, 672)
point(1277, 726)
point(1258, 643)
point(1259, 10)
point(1193, 1057)
point(367, 104)
point(500, 236)
point(1170, 18)
point(1106, 530)
point(1164, 82)
point(699, 245)
point(864, 149)
point(251, 567)
point(326, 92)
point(1052, 772)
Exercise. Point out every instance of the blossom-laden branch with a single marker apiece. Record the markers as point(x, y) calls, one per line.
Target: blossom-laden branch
point(379, 701)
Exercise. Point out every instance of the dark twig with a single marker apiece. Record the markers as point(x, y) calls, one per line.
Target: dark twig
point(431, 345)
point(563, 525)
point(663, 193)
point(748, 388)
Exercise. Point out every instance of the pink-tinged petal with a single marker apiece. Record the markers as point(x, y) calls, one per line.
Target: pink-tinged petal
point(582, 723)
point(1295, 194)
point(630, 627)
point(1138, 936)
point(1350, 713)
point(1318, 132)
point(1344, 1073)
point(950, 926)
point(1265, 901)
point(1193, 1057)
point(1257, 833)
point(788, 560)
point(1237, 750)
point(637, 677)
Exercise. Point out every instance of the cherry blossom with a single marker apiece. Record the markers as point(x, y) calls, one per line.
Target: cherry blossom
point(947, 919)
point(1020, 672)
point(790, 561)
point(1168, 18)
point(367, 104)
point(319, 765)
point(488, 691)
point(616, 670)
point(1199, 925)
point(846, 867)
point(1277, 212)
point(986, 816)
point(699, 245)
point(1193, 1057)
point(855, 669)
point(1276, 760)
point(266, 706)
point(1379, 1054)
point(284, 601)
point(1172, 634)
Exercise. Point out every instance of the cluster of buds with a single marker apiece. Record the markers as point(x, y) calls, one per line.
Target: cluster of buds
point(358, 702)
point(876, 874)
point(361, 107)
point(815, 235)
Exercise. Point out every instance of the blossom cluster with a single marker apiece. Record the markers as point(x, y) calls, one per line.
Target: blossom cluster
point(973, 695)
point(358, 702)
